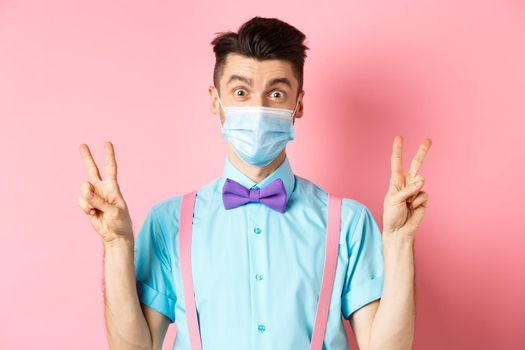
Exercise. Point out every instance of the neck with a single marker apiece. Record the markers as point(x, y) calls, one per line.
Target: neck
point(256, 174)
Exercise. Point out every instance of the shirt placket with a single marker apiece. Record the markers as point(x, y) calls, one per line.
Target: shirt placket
point(259, 273)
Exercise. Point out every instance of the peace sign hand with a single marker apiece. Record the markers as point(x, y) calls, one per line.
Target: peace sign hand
point(102, 201)
point(405, 202)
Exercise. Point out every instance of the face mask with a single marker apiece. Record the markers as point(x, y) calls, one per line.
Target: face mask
point(258, 134)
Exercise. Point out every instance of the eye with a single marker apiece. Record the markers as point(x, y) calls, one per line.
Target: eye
point(277, 94)
point(242, 92)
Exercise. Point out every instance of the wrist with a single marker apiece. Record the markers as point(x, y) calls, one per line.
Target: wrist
point(396, 238)
point(119, 243)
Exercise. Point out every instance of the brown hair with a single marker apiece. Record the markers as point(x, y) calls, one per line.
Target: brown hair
point(262, 38)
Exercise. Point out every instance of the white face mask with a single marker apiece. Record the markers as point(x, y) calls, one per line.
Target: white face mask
point(258, 134)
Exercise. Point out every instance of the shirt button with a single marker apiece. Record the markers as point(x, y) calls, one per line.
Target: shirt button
point(261, 328)
point(259, 277)
point(257, 230)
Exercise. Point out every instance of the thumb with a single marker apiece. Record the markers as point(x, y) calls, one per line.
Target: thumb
point(96, 201)
point(409, 191)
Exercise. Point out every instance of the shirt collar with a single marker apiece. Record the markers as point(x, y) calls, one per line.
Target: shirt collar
point(283, 171)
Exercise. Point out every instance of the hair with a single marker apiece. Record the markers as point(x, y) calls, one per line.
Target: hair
point(262, 38)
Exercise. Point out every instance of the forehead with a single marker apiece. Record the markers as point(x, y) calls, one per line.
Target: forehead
point(259, 71)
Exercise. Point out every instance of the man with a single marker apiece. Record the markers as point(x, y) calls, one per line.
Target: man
point(257, 266)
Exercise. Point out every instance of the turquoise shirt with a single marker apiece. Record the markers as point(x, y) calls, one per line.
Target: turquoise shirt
point(257, 272)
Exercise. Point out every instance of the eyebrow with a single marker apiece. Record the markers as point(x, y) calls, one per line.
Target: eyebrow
point(249, 81)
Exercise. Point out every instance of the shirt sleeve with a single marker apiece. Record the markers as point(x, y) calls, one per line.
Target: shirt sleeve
point(153, 269)
point(364, 275)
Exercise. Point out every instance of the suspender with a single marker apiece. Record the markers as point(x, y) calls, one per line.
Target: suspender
point(185, 222)
point(330, 261)
point(331, 252)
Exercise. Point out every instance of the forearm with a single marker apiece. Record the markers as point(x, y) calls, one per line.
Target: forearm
point(393, 325)
point(125, 323)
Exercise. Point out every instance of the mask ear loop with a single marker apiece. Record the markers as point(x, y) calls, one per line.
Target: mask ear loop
point(220, 103)
point(216, 93)
point(296, 104)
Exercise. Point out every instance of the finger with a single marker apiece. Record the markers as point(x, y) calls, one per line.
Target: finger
point(95, 200)
point(86, 189)
point(420, 199)
point(86, 186)
point(86, 207)
point(111, 164)
point(418, 177)
point(396, 160)
point(90, 163)
point(408, 191)
point(421, 153)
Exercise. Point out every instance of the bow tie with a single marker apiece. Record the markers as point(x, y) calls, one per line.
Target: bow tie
point(272, 195)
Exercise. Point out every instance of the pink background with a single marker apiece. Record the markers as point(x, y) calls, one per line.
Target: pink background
point(137, 73)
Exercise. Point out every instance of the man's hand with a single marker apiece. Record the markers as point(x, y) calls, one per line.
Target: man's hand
point(405, 202)
point(102, 201)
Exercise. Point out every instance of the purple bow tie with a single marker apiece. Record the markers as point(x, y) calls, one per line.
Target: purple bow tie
point(273, 195)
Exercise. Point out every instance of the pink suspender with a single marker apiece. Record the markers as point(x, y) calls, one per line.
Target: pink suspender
point(331, 253)
point(330, 261)
point(185, 222)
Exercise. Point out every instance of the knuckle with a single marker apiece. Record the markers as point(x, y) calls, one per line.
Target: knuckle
point(90, 196)
point(84, 208)
point(85, 187)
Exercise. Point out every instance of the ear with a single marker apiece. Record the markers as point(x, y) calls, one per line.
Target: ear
point(300, 107)
point(214, 101)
